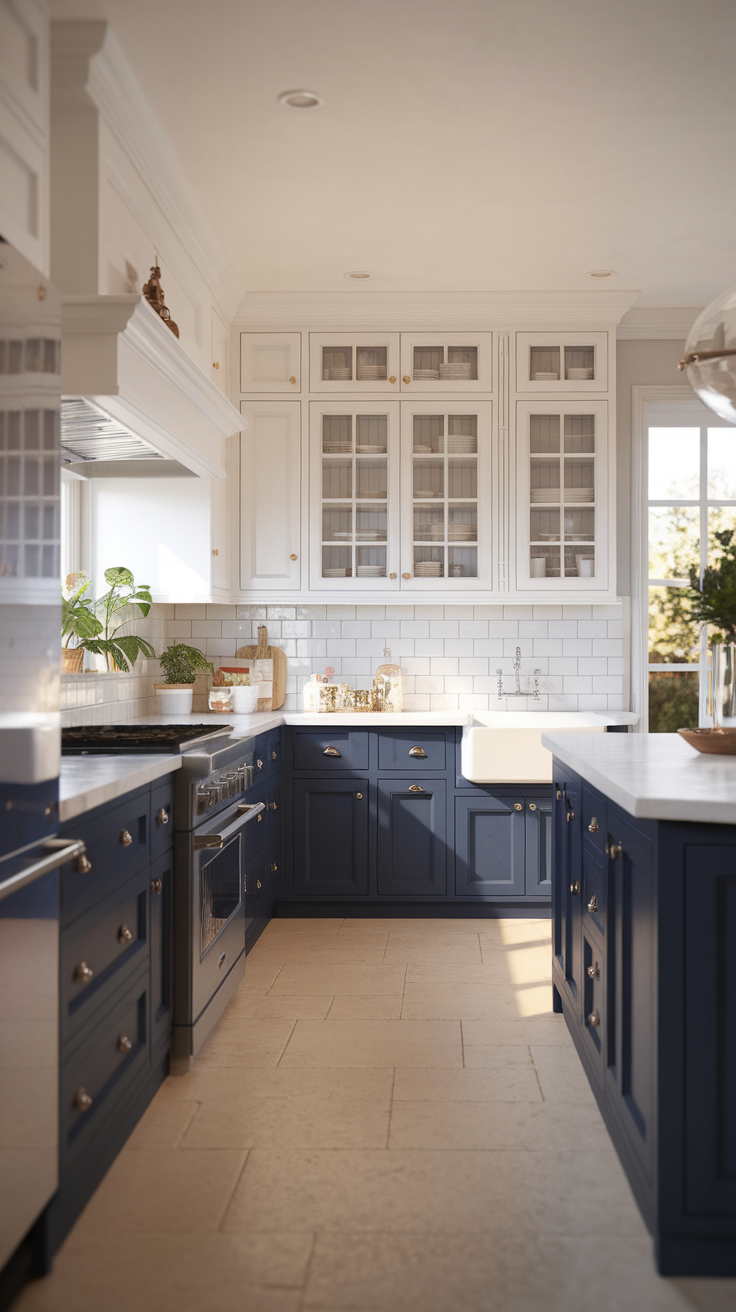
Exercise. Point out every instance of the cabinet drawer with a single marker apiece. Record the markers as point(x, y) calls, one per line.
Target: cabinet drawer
point(162, 816)
point(595, 880)
point(421, 750)
point(101, 949)
point(116, 840)
point(267, 755)
point(331, 749)
point(117, 1047)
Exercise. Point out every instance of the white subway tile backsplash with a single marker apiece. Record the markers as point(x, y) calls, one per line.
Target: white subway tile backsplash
point(429, 612)
point(314, 647)
point(576, 612)
point(503, 628)
point(340, 647)
point(472, 665)
point(355, 629)
point(313, 613)
point(577, 683)
point(577, 647)
point(428, 647)
point(184, 612)
point(562, 629)
point(593, 665)
point(385, 628)
point(472, 629)
point(364, 613)
point(429, 683)
point(443, 628)
point(221, 612)
point(512, 645)
point(517, 613)
point(459, 684)
point(443, 702)
point(296, 629)
point(547, 646)
point(491, 647)
point(594, 702)
point(326, 629)
point(615, 628)
point(547, 612)
point(414, 628)
point(610, 683)
point(488, 612)
point(592, 629)
point(415, 664)
point(563, 665)
point(532, 628)
point(443, 665)
point(206, 629)
point(607, 647)
point(281, 612)
point(243, 630)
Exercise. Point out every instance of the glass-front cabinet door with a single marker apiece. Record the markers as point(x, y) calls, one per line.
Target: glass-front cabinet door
point(447, 363)
point(355, 495)
point(562, 496)
point(561, 362)
point(446, 488)
point(354, 362)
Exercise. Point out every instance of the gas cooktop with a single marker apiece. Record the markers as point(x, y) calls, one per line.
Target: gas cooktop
point(113, 739)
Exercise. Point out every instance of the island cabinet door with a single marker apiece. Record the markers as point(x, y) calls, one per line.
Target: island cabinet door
point(568, 890)
point(331, 837)
point(490, 847)
point(538, 812)
point(162, 875)
point(632, 965)
point(412, 837)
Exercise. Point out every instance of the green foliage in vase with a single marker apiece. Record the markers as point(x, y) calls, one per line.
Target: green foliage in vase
point(712, 600)
point(180, 663)
point(78, 619)
point(120, 650)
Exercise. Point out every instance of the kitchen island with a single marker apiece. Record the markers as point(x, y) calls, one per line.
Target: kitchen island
point(644, 971)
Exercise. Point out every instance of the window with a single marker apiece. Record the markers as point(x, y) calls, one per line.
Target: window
point(691, 498)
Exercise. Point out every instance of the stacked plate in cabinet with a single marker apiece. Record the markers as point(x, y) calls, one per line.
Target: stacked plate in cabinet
point(579, 494)
point(365, 450)
point(578, 375)
point(339, 374)
point(428, 569)
point(460, 445)
point(341, 573)
point(456, 371)
point(544, 494)
point(371, 373)
point(545, 376)
point(420, 374)
point(370, 571)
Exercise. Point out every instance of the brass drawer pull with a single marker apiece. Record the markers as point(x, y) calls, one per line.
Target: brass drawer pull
point(331, 751)
point(575, 887)
point(157, 887)
point(162, 816)
point(593, 905)
point(274, 756)
point(594, 971)
point(82, 1100)
point(273, 806)
point(84, 972)
point(84, 865)
point(259, 884)
point(593, 826)
point(594, 1019)
point(532, 806)
point(418, 752)
point(125, 1044)
point(416, 788)
point(126, 838)
point(274, 867)
point(259, 818)
point(570, 815)
point(124, 935)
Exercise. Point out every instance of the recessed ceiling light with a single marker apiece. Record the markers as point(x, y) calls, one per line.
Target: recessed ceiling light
point(300, 99)
point(601, 273)
point(358, 274)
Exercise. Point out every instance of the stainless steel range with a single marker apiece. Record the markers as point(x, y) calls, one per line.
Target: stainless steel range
point(211, 816)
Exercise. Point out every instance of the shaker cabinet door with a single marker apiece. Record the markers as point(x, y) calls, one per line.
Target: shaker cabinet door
point(412, 837)
point(330, 836)
point(270, 496)
point(489, 847)
point(270, 362)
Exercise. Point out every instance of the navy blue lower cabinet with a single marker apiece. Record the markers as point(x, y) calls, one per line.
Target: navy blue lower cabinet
point(161, 906)
point(538, 836)
point(412, 838)
point(644, 970)
point(331, 836)
point(490, 846)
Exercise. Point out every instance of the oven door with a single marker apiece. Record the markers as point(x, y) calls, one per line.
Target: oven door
point(218, 900)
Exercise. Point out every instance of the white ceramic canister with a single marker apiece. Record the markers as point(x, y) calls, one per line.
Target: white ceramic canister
point(244, 698)
point(174, 698)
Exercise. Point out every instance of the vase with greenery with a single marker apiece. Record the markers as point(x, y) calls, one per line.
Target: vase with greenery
point(78, 621)
point(180, 665)
point(711, 600)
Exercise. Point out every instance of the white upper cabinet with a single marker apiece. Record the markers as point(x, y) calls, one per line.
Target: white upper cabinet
point(220, 353)
point(24, 128)
point(562, 510)
point(270, 362)
point(561, 362)
point(355, 496)
point(354, 362)
point(270, 497)
point(220, 537)
point(446, 363)
point(446, 512)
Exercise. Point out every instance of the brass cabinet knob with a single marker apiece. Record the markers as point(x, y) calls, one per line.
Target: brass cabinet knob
point(593, 826)
point(274, 756)
point(518, 806)
point(575, 887)
point(84, 972)
point(418, 751)
point(82, 1100)
point(359, 796)
point(406, 576)
point(392, 379)
point(259, 819)
point(259, 764)
point(259, 884)
point(124, 935)
point(594, 971)
point(124, 1043)
point(594, 1018)
point(157, 887)
point(331, 751)
point(593, 905)
point(84, 865)
point(215, 364)
point(126, 838)
point(292, 380)
point(532, 806)
point(614, 850)
point(274, 867)
point(407, 379)
point(392, 576)
point(215, 551)
point(162, 816)
point(273, 806)
point(416, 788)
point(293, 556)
point(570, 816)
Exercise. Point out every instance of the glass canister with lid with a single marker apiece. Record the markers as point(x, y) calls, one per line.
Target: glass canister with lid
point(388, 686)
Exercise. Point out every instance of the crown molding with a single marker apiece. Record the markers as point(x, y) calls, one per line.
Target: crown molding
point(666, 323)
point(417, 311)
point(87, 59)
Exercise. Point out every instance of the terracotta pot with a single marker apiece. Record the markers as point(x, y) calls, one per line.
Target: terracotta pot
point(72, 660)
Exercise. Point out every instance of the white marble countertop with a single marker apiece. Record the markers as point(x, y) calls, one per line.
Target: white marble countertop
point(89, 781)
point(655, 776)
point(244, 726)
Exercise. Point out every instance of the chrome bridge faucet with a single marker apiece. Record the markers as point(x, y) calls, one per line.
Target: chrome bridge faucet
point(519, 691)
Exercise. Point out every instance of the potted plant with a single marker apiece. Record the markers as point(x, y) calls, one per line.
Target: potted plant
point(121, 651)
point(78, 621)
point(712, 601)
point(180, 664)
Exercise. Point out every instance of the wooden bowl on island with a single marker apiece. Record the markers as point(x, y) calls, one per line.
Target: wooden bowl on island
point(714, 742)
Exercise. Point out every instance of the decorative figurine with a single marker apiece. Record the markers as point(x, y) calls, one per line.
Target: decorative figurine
point(154, 294)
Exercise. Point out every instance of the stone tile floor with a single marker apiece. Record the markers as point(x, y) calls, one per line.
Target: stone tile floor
point(387, 1118)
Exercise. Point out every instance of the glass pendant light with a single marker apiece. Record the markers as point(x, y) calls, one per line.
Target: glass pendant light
point(709, 361)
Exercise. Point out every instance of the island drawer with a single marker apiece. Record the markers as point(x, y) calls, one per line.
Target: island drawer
point(116, 839)
point(162, 816)
point(267, 755)
point(421, 750)
point(595, 889)
point(330, 749)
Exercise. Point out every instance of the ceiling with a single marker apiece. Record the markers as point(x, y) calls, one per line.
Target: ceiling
point(481, 144)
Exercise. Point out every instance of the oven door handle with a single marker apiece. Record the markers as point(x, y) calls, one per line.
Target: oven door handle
point(246, 812)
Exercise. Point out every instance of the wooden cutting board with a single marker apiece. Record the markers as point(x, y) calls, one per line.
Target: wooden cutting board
point(275, 654)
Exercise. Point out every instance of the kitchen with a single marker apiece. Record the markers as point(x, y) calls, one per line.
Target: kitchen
point(306, 1044)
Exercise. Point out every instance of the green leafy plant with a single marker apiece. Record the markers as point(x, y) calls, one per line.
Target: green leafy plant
point(121, 650)
point(713, 600)
point(180, 663)
point(78, 619)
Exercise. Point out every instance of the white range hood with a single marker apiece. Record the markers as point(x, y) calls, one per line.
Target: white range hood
point(157, 410)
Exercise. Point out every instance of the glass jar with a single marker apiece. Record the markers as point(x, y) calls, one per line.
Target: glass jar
point(388, 687)
point(328, 693)
point(219, 699)
point(363, 699)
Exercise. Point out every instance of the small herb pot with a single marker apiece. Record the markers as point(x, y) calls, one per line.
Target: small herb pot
point(174, 698)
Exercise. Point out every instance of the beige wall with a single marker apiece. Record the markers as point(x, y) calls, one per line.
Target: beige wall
point(638, 363)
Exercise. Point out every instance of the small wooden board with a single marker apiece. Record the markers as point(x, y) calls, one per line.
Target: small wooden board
point(275, 654)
